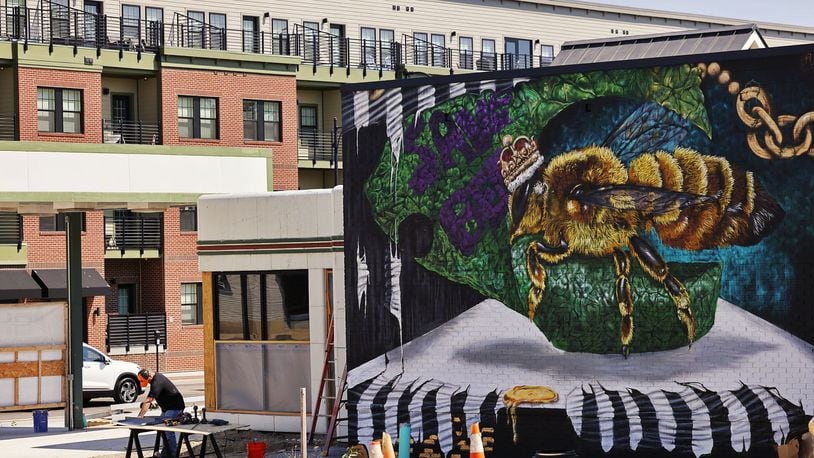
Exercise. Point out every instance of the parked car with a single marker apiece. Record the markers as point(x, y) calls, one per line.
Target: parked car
point(102, 377)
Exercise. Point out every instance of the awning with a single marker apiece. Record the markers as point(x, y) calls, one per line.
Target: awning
point(54, 283)
point(18, 284)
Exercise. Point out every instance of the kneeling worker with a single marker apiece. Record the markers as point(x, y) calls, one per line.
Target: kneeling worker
point(166, 394)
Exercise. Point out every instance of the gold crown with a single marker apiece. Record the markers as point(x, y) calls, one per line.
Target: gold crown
point(519, 159)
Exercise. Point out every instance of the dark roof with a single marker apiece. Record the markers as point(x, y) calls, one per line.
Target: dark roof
point(688, 42)
point(18, 284)
point(54, 283)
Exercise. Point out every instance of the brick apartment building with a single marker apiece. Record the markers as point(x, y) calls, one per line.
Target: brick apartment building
point(129, 111)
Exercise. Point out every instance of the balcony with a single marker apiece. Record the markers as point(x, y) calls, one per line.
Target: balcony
point(131, 132)
point(51, 23)
point(130, 234)
point(426, 54)
point(12, 249)
point(8, 127)
point(135, 333)
point(316, 146)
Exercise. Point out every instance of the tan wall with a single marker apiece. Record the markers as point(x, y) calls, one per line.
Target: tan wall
point(148, 99)
point(117, 86)
point(7, 95)
point(329, 104)
point(317, 178)
point(479, 19)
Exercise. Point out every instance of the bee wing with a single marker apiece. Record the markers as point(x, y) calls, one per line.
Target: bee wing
point(650, 127)
point(642, 199)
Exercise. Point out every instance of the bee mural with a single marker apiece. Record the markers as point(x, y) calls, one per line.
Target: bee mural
point(587, 202)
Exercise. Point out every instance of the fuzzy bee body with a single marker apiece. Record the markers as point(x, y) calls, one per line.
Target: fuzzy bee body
point(587, 202)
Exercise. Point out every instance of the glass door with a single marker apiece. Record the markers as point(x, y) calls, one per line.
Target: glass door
point(91, 18)
point(465, 49)
point(368, 46)
point(251, 34)
point(155, 19)
point(195, 29)
point(217, 31)
point(439, 50)
point(279, 37)
point(338, 45)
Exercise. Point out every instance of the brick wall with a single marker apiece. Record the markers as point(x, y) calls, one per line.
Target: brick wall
point(28, 79)
point(159, 291)
point(231, 88)
point(47, 250)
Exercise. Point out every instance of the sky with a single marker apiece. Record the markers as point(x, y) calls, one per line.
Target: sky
point(795, 12)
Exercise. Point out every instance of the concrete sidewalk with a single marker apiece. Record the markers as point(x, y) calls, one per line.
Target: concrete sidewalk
point(20, 441)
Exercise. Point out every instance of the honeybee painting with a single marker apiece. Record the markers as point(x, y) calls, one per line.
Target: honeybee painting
point(587, 202)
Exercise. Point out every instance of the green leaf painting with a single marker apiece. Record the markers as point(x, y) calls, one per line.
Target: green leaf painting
point(448, 169)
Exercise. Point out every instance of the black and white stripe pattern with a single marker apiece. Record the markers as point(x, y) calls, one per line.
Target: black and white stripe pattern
point(363, 108)
point(691, 419)
point(381, 403)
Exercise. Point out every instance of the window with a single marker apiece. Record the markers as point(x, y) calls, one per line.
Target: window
point(91, 355)
point(195, 29)
point(59, 110)
point(439, 50)
point(155, 17)
point(262, 306)
point(546, 54)
point(56, 222)
point(311, 35)
point(131, 24)
point(386, 39)
point(191, 303)
point(308, 126)
point(368, 46)
point(60, 14)
point(189, 219)
point(420, 48)
point(217, 31)
point(197, 117)
point(466, 47)
point(518, 53)
point(16, 18)
point(279, 38)
point(261, 121)
point(488, 58)
point(251, 34)
point(338, 45)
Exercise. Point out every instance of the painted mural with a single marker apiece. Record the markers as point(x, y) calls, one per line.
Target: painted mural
point(607, 261)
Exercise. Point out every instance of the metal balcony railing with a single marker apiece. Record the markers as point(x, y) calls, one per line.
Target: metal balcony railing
point(319, 146)
point(126, 230)
point(422, 52)
point(8, 127)
point(133, 132)
point(55, 23)
point(136, 330)
point(11, 229)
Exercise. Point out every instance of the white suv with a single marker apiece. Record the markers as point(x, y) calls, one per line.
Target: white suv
point(102, 376)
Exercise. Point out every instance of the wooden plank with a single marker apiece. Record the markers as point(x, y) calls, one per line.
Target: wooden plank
point(52, 405)
point(263, 342)
point(32, 348)
point(16, 384)
point(210, 376)
point(39, 377)
point(32, 369)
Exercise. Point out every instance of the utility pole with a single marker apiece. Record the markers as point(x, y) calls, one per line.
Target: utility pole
point(74, 417)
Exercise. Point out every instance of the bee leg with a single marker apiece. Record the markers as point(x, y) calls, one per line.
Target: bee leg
point(654, 265)
point(534, 266)
point(624, 298)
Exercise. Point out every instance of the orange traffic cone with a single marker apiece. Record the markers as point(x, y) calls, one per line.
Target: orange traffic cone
point(387, 446)
point(376, 449)
point(476, 443)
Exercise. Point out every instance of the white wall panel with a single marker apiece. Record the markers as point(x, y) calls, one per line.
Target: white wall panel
point(25, 171)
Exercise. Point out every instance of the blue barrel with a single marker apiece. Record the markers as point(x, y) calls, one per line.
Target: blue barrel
point(40, 421)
